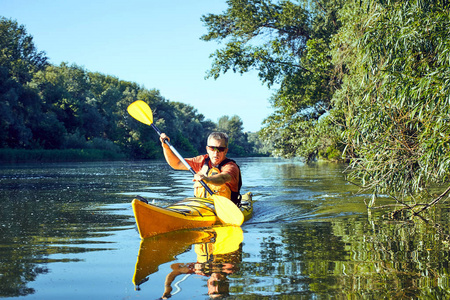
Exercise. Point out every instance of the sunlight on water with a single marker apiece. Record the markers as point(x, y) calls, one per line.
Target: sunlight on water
point(68, 230)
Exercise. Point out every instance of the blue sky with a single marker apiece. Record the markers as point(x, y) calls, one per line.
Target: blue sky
point(153, 43)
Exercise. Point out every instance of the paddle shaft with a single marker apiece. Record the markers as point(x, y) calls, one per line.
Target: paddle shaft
point(182, 159)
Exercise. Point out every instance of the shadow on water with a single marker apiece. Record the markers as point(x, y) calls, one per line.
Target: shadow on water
point(311, 237)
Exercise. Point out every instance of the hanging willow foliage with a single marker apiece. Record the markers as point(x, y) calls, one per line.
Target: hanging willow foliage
point(398, 112)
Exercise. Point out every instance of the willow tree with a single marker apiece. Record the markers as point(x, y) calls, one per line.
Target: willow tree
point(287, 43)
point(396, 93)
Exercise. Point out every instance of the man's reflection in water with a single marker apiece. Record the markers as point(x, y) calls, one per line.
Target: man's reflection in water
point(215, 267)
point(218, 285)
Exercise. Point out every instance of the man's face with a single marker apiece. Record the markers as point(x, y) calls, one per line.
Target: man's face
point(216, 150)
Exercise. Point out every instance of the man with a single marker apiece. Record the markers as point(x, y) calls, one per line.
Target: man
point(220, 173)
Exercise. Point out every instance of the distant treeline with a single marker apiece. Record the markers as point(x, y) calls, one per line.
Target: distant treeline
point(47, 107)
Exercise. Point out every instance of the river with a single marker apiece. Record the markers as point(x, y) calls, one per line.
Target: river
point(68, 232)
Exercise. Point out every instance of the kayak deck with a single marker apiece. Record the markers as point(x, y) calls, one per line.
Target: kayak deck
point(187, 214)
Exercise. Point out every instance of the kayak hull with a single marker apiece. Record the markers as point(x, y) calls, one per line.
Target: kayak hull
point(189, 213)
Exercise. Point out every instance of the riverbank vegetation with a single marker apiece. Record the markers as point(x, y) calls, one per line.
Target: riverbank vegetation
point(367, 80)
point(65, 112)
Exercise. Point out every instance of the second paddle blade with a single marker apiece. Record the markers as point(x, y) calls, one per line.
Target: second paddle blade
point(227, 211)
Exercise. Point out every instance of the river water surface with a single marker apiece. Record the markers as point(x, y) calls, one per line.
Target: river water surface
point(67, 231)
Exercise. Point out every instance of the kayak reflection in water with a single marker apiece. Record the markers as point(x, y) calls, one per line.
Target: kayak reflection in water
point(218, 251)
point(217, 267)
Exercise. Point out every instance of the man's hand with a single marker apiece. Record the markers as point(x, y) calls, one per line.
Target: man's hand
point(200, 177)
point(163, 137)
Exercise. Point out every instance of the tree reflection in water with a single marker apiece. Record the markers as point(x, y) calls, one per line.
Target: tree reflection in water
point(310, 237)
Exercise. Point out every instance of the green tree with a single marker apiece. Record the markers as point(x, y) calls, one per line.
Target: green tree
point(395, 93)
point(289, 44)
point(239, 144)
point(191, 124)
point(19, 105)
point(261, 146)
point(19, 55)
point(45, 106)
point(66, 92)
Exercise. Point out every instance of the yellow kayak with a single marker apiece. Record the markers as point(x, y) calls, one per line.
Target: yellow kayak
point(187, 214)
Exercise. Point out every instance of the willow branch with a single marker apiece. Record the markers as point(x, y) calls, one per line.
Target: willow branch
point(441, 196)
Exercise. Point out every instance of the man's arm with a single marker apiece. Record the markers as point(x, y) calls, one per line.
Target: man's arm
point(216, 179)
point(229, 174)
point(170, 157)
point(178, 269)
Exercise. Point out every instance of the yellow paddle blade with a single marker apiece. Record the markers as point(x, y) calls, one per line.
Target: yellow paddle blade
point(228, 239)
point(227, 211)
point(141, 112)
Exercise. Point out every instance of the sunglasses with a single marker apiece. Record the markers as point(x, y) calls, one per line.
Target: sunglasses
point(214, 148)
